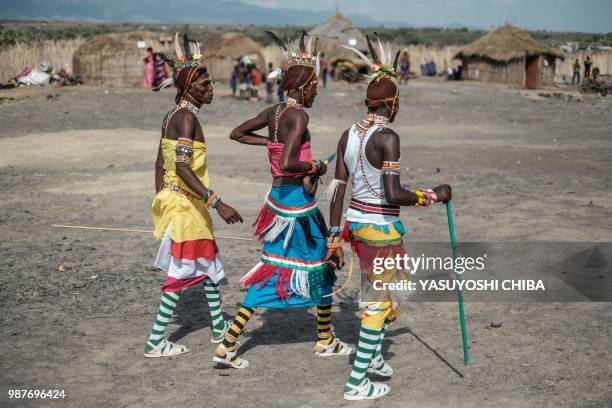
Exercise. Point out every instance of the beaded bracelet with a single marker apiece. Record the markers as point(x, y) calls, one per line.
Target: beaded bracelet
point(315, 167)
point(334, 238)
point(426, 197)
point(215, 201)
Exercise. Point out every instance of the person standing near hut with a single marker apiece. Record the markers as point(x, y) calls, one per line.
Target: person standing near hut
point(576, 76)
point(149, 68)
point(404, 65)
point(587, 67)
point(269, 84)
point(324, 69)
point(292, 272)
point(160, 69)
point(188, 252)
point(234, 80)
point(369, 153)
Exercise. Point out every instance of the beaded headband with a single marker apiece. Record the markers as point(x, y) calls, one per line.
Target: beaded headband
point(305, 55)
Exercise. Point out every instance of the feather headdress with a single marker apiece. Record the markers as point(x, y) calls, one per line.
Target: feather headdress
point(380, 62)
point(305, 54)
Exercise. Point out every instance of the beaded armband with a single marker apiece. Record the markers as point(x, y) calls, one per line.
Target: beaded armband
point(334, 238)
point(426, 197)
point(391, 168)
point(184, 150)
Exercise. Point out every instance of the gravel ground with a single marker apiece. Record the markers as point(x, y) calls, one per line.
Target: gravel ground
point(523, 168)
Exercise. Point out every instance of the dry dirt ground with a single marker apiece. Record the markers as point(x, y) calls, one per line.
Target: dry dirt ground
point(523, 168)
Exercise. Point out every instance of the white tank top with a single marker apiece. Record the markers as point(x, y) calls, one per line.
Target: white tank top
point(367, 181)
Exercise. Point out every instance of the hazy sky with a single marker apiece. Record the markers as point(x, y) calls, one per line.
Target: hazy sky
point(557, 15)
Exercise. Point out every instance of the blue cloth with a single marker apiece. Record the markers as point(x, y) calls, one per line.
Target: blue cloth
point(267, 297)
point(299, 249)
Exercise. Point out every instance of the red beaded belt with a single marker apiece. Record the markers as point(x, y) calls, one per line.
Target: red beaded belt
point(372, 208)
point(177, 189)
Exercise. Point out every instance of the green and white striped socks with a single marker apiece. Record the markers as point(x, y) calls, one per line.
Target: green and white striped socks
point(211, 290)
point(166, 308)
point(369, 339)
point(377, 358)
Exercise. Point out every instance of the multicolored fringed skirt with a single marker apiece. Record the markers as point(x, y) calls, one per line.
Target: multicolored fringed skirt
point(292, 271)
point(371, 241)
point(188, 262)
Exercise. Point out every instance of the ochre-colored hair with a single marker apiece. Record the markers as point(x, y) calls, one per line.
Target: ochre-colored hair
point(381, 91)
point(297, 77)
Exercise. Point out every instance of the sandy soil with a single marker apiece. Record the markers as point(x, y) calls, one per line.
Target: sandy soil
point(523, 168)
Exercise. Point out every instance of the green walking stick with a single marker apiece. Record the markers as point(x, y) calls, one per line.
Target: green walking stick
point(451, 231)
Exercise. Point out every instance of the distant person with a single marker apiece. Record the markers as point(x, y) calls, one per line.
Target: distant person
point(404, 65)
point(242, 80)
point(269, 85)
point(324, 69)
point(587, 67)
point(576, 76)
point(159, 66)
point(255, 81)
point(149, 68)
point(234, 80)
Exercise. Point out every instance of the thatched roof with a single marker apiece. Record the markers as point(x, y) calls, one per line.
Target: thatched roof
point(115, 58)
point(339, 29)
point(336, 30)
point(220, 53)
point(505, 44)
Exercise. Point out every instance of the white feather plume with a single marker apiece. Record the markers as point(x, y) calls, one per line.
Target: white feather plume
point(360, 54)
point(177, 46)
point(384, 58)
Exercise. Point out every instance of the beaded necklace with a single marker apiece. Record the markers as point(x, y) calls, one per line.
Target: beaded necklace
point(183, 104)
point(289, 103)
point(362, 128)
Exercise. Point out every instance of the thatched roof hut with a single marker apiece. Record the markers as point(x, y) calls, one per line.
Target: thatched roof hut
point(336, 30)
point(509, 55)
point(116, 58)
point(221, 53)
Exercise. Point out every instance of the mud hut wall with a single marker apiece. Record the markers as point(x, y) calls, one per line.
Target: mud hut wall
point(511, 73)
point(114, 59)
point(602, 59)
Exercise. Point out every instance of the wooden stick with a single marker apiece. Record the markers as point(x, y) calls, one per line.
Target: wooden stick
point(135, 230)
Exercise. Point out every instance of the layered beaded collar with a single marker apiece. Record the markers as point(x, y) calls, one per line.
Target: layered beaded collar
point(372, 120)
point(183, 104)
point(293, 103)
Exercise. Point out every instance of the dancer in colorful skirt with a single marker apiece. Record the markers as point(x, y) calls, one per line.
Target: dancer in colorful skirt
point(188, 252)
point(369, 153)
point(292, 272)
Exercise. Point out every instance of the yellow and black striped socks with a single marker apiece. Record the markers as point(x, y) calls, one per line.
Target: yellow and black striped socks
point(235, 330)
point(369, 339)
point(324, 331)
point(211, 290)
point(166, 308)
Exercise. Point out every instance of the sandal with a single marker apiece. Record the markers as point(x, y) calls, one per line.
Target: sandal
point(380, 367)
point(335, 348)
point(165, 349)
point(365, 391)
point(217, 335)
point(229, 358)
